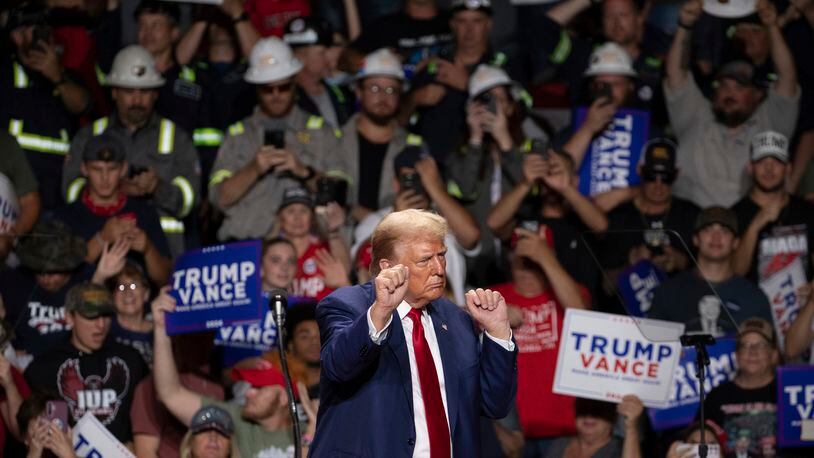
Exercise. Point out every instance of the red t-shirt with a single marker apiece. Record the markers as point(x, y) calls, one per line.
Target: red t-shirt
point(269, 17)
point(310, 280)
point(542, 412)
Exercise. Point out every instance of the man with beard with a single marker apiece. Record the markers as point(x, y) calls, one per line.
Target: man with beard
point(775, 223)
point(163, 163)
point(262, 424)
point(277, 147)
point(372, 138)
point(40, 99)
point(713, 138)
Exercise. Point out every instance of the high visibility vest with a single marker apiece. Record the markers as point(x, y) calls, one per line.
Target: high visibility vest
point(29, 140)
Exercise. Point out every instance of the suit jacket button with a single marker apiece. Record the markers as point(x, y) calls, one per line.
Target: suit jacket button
point(411, 441)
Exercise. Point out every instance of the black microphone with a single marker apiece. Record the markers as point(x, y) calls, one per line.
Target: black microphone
point(278, 302)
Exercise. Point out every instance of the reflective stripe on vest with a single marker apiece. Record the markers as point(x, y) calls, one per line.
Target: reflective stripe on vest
point(341, 175)
point(236, 128)
point(100, 75)
point(99, 126)
point(218, 176)
point(171, 225)
point(74, 189)
point(562, 50)
point(39, 143)
point(207, 136)
point(20, 77)
point(186, 192)
point(187, 74)
point(414, 140)
point(166, 136)
point(454, 190)
point(315, 122)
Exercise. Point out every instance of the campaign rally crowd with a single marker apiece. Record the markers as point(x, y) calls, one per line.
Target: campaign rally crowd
point(643, 157)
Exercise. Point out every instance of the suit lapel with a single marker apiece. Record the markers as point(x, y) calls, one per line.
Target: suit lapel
point(398, 345)
point(447, 347)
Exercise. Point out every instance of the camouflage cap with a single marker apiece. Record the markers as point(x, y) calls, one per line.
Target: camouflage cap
point(51, 247)
point(90, 300)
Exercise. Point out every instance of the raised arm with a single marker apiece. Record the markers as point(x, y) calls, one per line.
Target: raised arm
point(182, 402)
point(678, 58)
point(786, 84)
point(566, 11)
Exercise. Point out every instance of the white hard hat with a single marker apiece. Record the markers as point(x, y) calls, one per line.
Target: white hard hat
point(486, 77)
point(381, 62)
point(271, 60)
point(134, 67)
point(610, 59)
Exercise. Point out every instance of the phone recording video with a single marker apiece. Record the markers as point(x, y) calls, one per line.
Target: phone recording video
point(274, 138)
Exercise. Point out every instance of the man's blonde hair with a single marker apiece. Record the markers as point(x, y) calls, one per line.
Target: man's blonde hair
point(402, 227)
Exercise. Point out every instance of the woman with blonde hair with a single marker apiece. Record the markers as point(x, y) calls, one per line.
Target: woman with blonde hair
point(210, 435)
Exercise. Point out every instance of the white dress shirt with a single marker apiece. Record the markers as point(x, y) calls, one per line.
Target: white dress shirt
point(422, 439)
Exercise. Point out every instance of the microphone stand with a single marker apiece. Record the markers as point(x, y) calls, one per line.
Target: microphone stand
point(277, 304)
point(700, 342)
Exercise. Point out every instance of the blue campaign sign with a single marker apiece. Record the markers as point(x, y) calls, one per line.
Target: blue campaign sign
point(611, 159)
point(795, 405)
point(216, 286)
point(684, 397)
point(636, 285)
point(257, 336)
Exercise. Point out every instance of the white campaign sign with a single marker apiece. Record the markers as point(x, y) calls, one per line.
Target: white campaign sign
point(605, 356)
point(92, 440)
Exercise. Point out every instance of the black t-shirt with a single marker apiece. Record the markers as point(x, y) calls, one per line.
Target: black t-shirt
point(686, 298)
point(101, 382)
point(86, 224)
point(792, 232)
point(38, 316)
point(371, 160)
point(748, 416)
point(414, 39)
point(626, 217)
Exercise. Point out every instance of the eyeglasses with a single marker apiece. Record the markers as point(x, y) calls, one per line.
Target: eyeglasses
point(122, 287)
point(376, 89)
point(760, 347)
point(280, 88)
point(666, 178)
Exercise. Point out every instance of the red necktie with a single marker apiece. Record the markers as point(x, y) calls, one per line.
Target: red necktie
point(430, 390)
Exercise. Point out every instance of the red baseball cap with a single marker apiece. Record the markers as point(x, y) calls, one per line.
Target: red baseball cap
point(258, 378)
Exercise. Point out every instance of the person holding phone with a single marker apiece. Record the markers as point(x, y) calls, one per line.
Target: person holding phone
point(34, 82)
point(500, 132)
point(277, 147)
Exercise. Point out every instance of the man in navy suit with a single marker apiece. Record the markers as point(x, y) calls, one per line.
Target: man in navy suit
point(405, 372)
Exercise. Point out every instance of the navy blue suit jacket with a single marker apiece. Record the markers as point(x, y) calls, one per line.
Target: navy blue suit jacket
point(366, 401)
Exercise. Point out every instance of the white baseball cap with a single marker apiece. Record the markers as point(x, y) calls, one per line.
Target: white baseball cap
point(769, 143)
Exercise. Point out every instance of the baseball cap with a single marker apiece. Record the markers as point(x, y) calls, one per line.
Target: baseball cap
point(307, 31)
point(103, 147)
point(717, 215)
point(212, 417)
point(261, 377)
point(471, 5)
point(739, 70)
point(769, 143)
point(51, 247)
point(659, 156)
point(90, 300)
point(296, 195)
point(760, 326)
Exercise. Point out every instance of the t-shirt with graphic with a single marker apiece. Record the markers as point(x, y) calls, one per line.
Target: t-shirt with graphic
point(538, 341)
point(748, 416)
point(38, 316)
point(253, 440)
point(310, 280)
point(687, 298)
point(101, 382)
point(791, 234)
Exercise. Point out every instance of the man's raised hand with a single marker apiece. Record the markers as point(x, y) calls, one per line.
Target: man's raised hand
point(391, 285)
